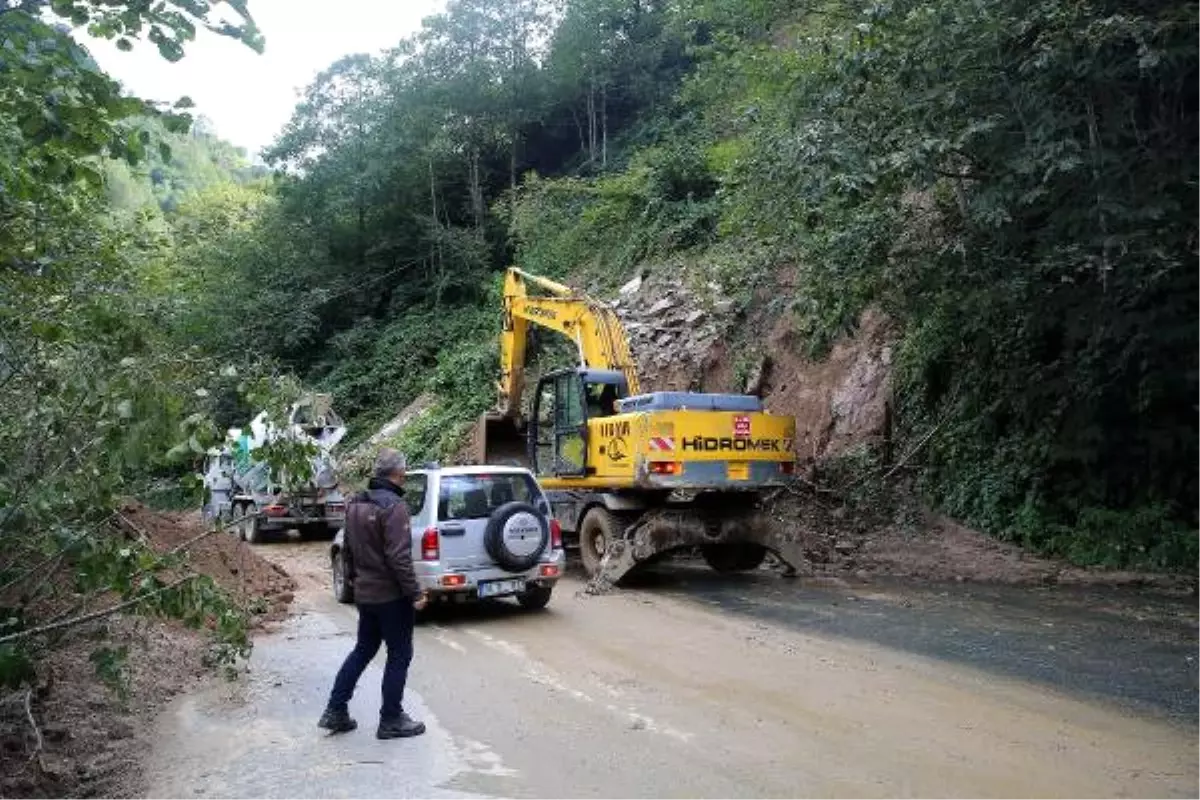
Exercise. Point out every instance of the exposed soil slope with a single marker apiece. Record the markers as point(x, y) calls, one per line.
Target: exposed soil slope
point(91, 740)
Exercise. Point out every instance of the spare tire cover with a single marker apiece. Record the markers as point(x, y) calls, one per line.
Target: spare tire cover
point(516, 536)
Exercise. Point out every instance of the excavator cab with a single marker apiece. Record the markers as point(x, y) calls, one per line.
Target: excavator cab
point(553, 441)
point(563, 403)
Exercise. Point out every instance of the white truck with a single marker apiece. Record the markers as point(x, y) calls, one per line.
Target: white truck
point(237, 486)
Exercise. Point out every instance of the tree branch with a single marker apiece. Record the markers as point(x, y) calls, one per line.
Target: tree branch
point(95, 615)
point(37, 732)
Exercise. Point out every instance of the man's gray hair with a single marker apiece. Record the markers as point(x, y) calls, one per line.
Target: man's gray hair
point(389, 461)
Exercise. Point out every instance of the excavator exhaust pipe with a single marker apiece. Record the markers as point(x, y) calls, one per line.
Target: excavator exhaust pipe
point(499, 439)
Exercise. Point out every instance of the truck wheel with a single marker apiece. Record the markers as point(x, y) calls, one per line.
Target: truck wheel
point(598, 530)
point(237, 525)
point(736, 557)
point(535, 597)
point(343, 592)
point(251, 531)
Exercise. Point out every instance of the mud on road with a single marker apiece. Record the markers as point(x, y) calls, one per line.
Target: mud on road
point(692, 686)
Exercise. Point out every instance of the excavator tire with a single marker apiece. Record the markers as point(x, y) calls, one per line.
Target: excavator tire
point(736, 557)
point(598, 530)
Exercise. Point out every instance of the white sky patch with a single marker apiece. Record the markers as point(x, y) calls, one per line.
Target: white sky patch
point(250, 97)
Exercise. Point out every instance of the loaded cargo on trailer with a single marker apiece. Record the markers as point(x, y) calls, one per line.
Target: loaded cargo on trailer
point(240, 488)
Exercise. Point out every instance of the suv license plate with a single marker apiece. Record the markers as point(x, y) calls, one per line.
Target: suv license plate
point(498, 588)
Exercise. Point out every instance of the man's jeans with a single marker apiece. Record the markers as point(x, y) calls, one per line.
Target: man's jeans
point(379, 622)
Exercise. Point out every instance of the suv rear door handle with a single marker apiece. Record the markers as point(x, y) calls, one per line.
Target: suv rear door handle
point(452, 530)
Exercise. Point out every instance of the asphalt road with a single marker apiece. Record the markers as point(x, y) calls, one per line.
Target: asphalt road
point(694, 686)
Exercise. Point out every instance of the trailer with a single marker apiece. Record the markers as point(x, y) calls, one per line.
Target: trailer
point(240, 490)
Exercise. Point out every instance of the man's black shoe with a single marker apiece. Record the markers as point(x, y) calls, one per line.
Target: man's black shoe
point(399, 728)
point(337, 721)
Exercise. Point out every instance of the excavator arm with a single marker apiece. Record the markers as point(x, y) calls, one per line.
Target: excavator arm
point(592, 326)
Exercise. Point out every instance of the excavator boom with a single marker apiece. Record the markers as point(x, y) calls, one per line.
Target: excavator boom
point(593, 327)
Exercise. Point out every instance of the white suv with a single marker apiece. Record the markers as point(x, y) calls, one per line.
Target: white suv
point(478, 532)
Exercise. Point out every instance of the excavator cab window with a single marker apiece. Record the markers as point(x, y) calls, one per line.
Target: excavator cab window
point(559, 426)
point(542, 426)
point(601, 400)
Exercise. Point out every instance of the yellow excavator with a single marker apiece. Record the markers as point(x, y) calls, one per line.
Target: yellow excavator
point(632, 475)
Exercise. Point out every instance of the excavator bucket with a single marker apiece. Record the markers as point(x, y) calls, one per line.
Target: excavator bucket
point(499, 439)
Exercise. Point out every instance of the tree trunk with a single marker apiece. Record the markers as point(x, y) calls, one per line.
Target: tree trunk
point(512, 172)
point(476, 189)
point(591, 111)
point(579, 129)
point(433, 207)
point(362, 229)
point(436, 259)
point(604, 127)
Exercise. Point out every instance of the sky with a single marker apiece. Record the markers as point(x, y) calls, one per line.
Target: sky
point(249, 97)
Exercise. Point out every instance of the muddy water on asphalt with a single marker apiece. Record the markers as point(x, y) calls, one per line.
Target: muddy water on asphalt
point(665, 690)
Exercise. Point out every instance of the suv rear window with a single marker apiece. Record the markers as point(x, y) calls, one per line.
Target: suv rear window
point(415, 487)
point(477, 496)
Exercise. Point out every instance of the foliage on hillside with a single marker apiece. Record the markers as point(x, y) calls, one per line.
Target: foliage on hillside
point(1016, 183)
point(182, 164)
point(1013, 183)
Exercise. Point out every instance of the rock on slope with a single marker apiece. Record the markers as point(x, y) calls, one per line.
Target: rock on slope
point(683, 338)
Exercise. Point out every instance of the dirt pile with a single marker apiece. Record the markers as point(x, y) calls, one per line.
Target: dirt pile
point(897, 538)
point(841, 540)
point(70, 735)
point(840, 402)
point(259, 585)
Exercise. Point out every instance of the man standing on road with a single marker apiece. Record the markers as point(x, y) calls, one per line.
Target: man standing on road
point(378, 542)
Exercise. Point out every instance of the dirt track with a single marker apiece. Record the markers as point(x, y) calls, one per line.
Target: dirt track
point(648, 692)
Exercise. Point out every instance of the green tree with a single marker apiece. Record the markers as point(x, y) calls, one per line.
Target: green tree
point(94, 395)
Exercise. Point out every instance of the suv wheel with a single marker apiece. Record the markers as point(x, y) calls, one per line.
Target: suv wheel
point(535, 597)
point(516, 536)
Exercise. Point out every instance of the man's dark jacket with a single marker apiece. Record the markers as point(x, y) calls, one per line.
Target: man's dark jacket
point(379, 540)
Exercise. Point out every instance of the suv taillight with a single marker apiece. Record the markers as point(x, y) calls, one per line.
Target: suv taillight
point(555, 535)
point(429, 545)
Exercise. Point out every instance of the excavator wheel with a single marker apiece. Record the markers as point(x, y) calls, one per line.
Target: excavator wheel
point(736, 557)
point(598, 530)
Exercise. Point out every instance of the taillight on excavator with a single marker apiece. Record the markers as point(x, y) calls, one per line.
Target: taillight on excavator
point(665, 467)
point(787, 467)
point(430, 549)
point(555, 535)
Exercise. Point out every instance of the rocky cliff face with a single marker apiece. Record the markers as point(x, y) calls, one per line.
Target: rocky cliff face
point(671, 331)
point(685, 339)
